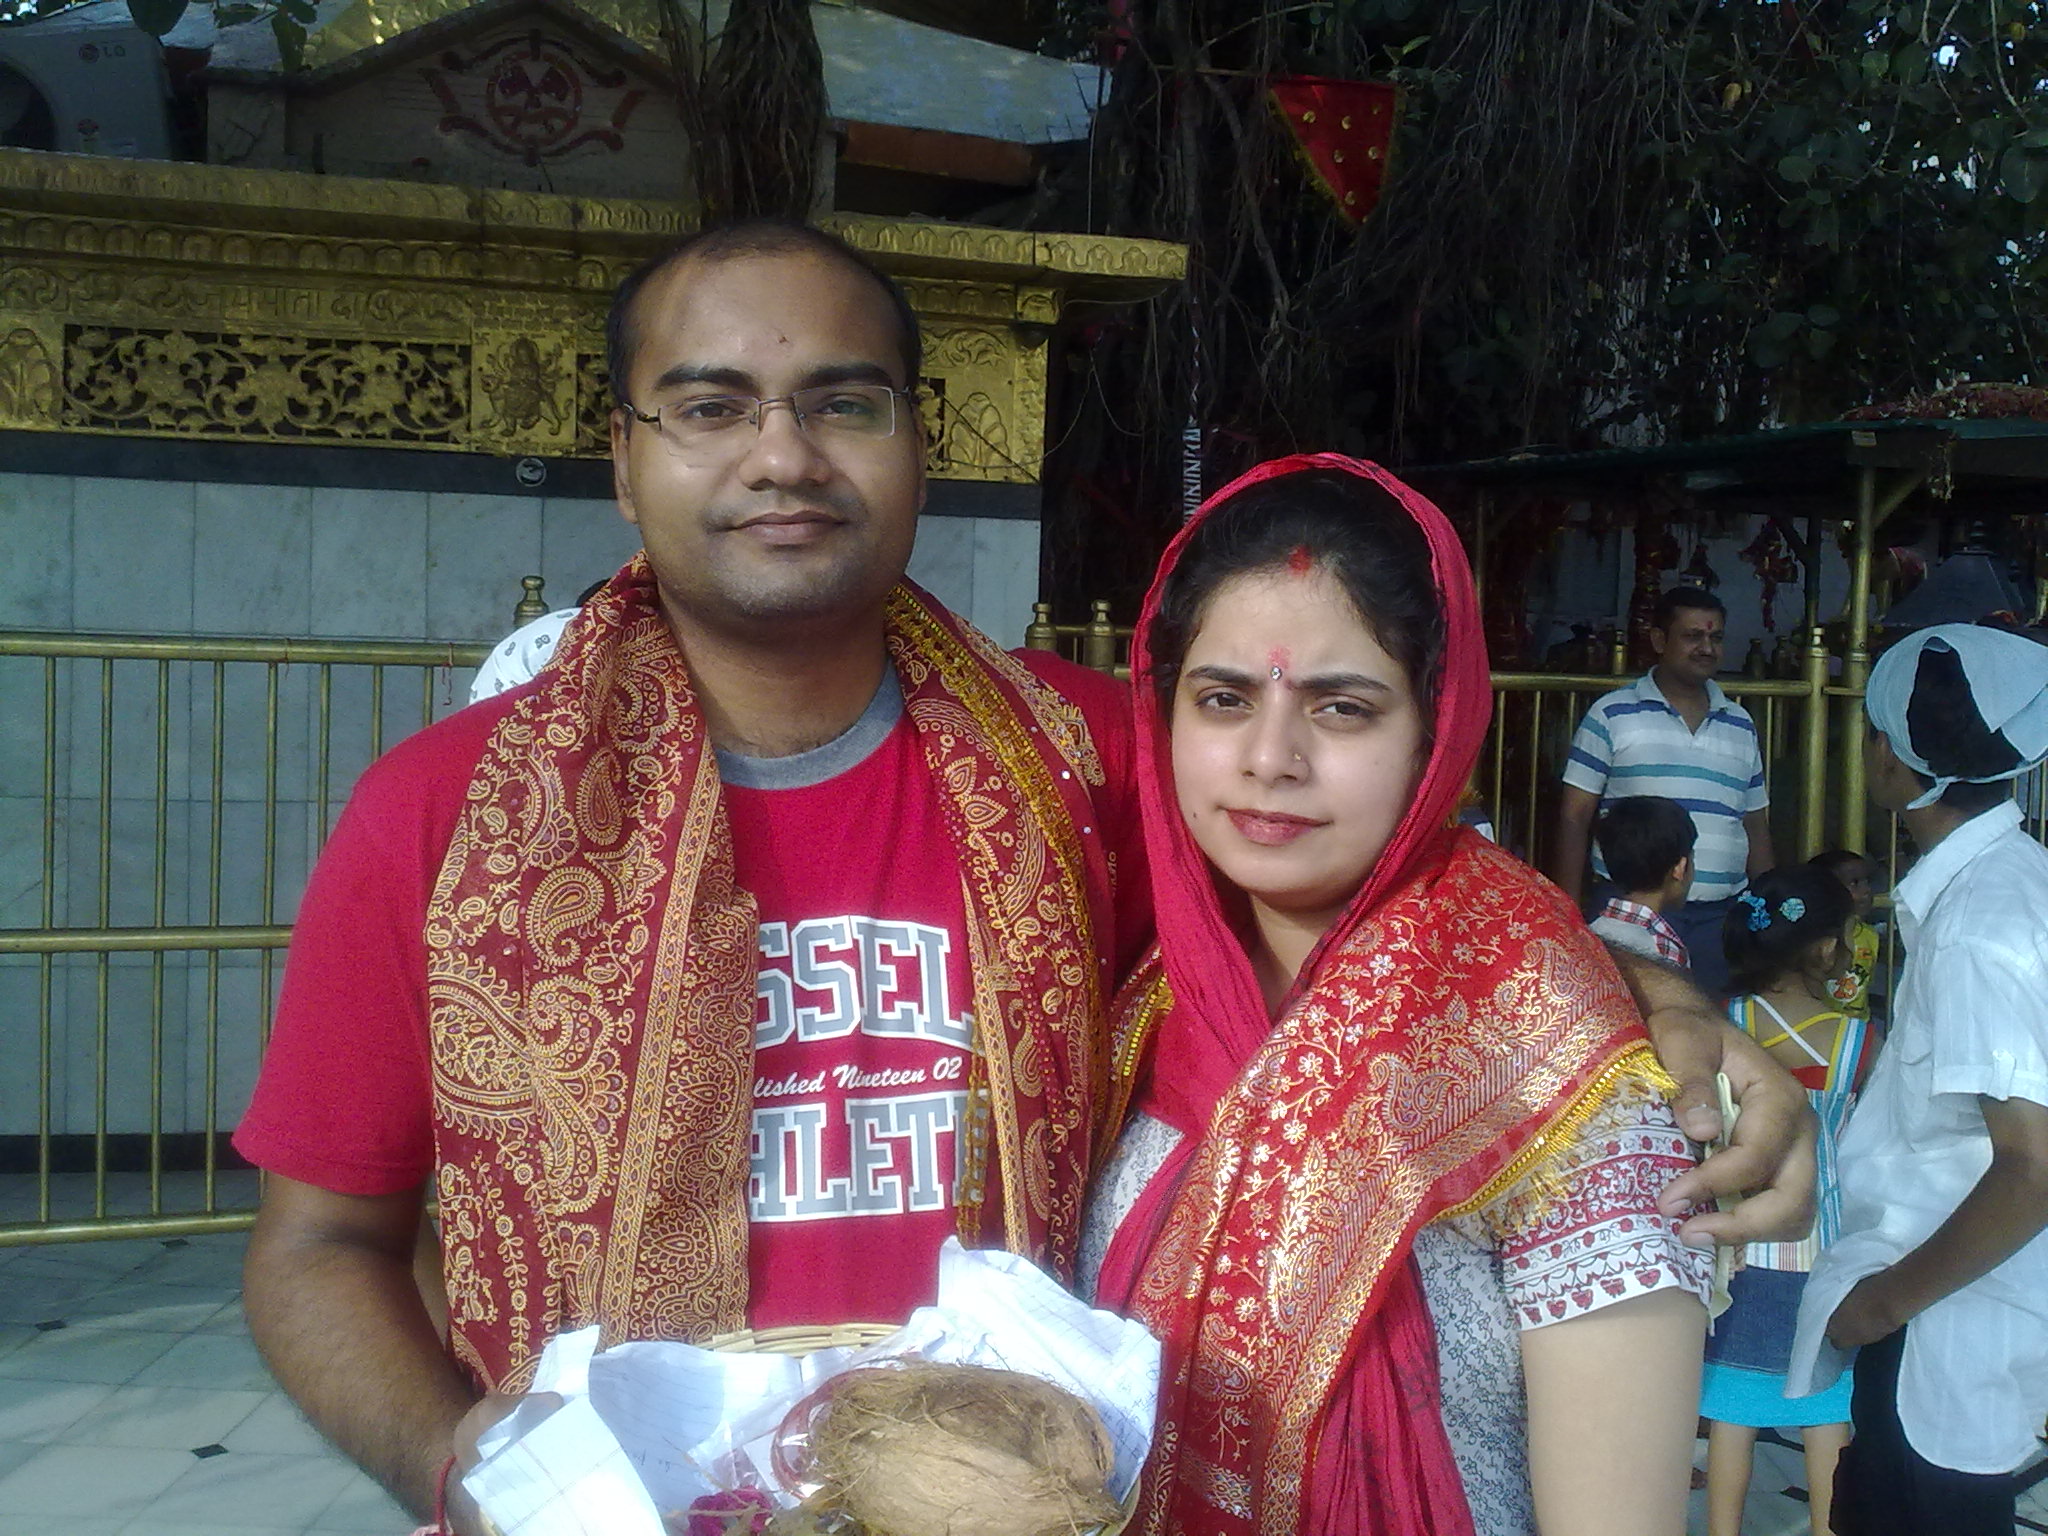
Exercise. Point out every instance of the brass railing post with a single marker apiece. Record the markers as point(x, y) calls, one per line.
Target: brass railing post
point(1856, 664)
point(1039, 635)
point(531, 604)
point(1098, 641)
point(1813, 748)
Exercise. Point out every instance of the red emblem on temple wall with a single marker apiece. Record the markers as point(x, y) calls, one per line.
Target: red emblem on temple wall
point(532, 97)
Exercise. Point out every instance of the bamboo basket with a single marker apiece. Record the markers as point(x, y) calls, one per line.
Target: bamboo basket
point(799, 1338)
point(804, 1339)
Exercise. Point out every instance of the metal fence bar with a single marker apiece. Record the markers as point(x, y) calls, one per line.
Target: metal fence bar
point(120, 1114)
point(159, 911)
point(46, 967)
point(103, 966)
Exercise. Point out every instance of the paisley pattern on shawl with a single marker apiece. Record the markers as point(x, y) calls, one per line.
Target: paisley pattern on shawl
point(1446, 1037)
point(592, 971)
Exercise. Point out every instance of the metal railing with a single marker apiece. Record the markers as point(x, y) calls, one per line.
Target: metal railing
point(1101, 643)
point(161, 802)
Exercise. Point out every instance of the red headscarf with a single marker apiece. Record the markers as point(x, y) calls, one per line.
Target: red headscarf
point(1453, 1025)
point(1220, 1015)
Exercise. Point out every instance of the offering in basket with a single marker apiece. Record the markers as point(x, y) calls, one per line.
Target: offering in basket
point(1008, 1409)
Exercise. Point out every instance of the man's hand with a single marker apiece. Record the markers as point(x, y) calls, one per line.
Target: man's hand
point(464, 1518)
point(1770, 1157)
point(1868, 1313)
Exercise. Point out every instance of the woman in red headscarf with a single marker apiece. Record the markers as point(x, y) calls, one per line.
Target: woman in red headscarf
point(1391, 1139)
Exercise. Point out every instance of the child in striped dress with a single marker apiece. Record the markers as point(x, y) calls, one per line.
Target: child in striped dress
point(1787, 940)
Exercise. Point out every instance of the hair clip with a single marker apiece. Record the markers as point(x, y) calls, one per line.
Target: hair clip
point(1759, 915)
point(1792, 909)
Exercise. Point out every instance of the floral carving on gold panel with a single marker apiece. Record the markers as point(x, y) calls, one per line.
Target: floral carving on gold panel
point(28, 379)
point(197, 383)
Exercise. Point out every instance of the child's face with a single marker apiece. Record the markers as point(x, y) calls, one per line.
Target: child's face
point(1861, 878)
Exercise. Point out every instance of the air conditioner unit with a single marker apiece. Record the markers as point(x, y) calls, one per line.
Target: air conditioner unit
point(88, 90)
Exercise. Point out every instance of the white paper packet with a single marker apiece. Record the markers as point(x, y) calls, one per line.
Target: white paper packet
point(653, 1426)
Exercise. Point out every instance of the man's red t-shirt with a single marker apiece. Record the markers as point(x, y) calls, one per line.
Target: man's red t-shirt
point(865, 1000)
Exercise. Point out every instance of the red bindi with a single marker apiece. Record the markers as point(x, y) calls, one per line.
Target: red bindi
point(1277, 661)
point(1299, 561)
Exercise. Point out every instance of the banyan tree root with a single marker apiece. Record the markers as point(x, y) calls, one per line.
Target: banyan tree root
point(917, 1449)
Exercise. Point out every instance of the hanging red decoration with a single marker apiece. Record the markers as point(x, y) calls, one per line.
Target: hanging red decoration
point(1776, 565)
point(1345, 131)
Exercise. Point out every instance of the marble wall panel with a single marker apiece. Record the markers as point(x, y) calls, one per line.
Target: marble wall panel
point(21, 863)
point(369, 558)
point(247, 832)
point(133, 543)
point(942, 560)
point(36, 531)
point(242, 996)
point(266, 714)
point(1005, 577)
point(581, 541)
point(24, 734)
point(149, 707)
point(143, 846)
point(254, 569)
point(20, 1029)
point(106, 1077)
point(478, 547)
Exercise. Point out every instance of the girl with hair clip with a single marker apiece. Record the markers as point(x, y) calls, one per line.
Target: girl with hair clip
point(1788, 939)
point(1392, 1141)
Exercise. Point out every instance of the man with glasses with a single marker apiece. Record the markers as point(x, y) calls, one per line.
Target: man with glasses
point(720, 972)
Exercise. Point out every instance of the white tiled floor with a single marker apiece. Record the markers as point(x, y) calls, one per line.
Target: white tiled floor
point(133, 1404)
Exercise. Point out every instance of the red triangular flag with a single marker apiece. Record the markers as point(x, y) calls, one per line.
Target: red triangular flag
point(1345, 130)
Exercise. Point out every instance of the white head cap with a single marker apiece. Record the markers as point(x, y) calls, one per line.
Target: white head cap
point(2007, 676)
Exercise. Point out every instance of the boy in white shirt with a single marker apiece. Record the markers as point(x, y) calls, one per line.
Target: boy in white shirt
point(1940, 1274)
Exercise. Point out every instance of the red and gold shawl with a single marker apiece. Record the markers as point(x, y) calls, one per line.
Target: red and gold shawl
point(1448, 1035)
point(592, 971)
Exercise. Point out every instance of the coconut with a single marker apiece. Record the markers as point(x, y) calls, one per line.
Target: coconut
point(915, 1449)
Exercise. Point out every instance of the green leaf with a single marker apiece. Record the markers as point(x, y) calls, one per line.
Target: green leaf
point(2019, 175)
point(156, 17)
point(291, 40)
point(1824, 316)
point(1782, 326)
point(1796, 168)
point(1819, 344)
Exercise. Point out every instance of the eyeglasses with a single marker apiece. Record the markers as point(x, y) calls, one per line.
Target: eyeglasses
point(825, 412)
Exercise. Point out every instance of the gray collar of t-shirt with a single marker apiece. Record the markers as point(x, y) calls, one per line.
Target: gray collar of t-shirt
point(849, 749)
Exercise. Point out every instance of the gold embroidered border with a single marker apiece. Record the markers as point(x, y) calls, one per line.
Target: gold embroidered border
point(1004, 1029)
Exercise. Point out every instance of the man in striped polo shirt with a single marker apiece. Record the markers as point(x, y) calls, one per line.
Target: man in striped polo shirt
point(1675, 733)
